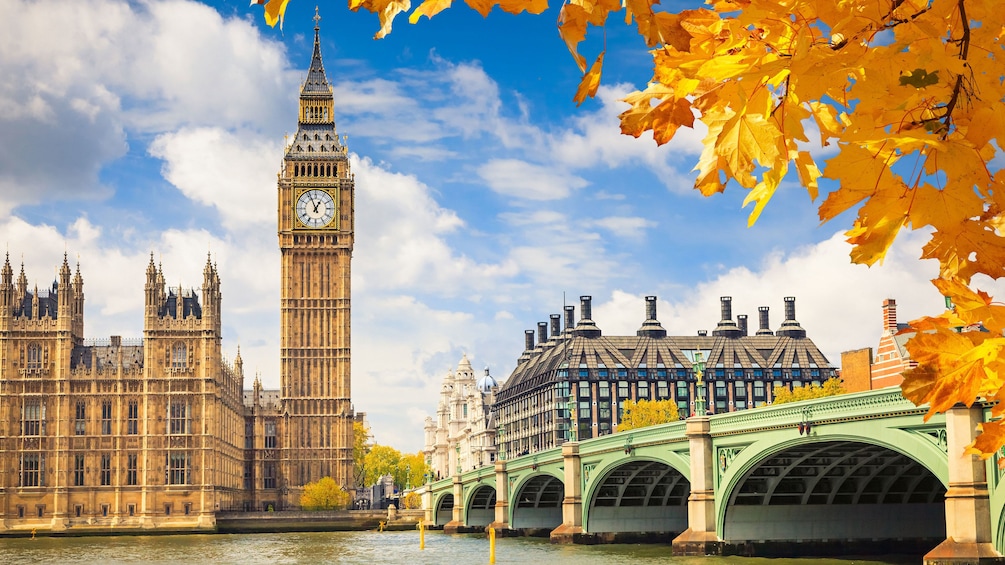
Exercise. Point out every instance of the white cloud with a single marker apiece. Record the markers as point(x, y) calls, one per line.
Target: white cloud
point(630, 227)
point(235, 172)
point(79, 75)
point(520, 179)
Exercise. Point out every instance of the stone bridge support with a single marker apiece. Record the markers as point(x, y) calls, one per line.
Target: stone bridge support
point(501, 522)
point(572, 504)
point(968, 509)
point(429, 514)
point(457, 516)
point(700, 537)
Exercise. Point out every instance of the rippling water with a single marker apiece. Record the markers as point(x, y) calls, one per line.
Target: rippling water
point(360, 547)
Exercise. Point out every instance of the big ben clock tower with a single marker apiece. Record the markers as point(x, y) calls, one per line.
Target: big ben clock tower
point(316, 191)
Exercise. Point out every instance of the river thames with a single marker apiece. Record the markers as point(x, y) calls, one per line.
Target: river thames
point(363, 548)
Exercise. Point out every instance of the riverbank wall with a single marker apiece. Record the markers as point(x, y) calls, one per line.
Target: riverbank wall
point(335, 521)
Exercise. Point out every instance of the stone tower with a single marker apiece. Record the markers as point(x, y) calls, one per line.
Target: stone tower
point(316, 194)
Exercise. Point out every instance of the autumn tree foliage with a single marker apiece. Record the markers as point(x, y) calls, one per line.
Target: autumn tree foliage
point(407, 470)
point(643, 413)
point(360, 447)
point(411, 501)
point(324, 494)
point(830, 387)
point(909, 98)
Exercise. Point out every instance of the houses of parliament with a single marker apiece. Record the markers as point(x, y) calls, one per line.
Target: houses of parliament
point(157, 431)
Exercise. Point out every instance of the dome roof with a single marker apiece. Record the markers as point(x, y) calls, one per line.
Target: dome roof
point(486, 383)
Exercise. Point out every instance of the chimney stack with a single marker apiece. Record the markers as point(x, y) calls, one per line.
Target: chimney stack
point(586, 327)
point(570, 318)
point(790, 327)
point(528, 340)
point(556, 325)
point(542, 333)
point(727, 327)
point(764, 325)
point(741, 321)
point(651, 326)
point(890, 315)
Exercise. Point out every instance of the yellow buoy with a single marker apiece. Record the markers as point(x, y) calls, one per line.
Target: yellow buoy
point(380, 526)
point(422, 535)
point(492, 545)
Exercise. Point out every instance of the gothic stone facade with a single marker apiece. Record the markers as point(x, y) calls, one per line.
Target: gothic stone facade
point(463, 435)
point(115, 433)
point(316, 216)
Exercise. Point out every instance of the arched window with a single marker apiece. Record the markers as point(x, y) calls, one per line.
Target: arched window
point(179, 356)
point(34, 356)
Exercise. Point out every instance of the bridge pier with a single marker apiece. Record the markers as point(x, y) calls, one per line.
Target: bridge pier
point(456, 522)
point(501, 522)
point(572, 504)
point(968, 508)
point(700, 538)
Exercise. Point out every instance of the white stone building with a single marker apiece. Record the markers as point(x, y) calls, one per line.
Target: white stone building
point(462, 437)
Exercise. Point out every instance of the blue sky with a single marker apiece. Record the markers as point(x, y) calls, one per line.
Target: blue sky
point(483, 194)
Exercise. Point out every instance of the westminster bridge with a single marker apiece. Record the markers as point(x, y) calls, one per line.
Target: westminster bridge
point(844, 474)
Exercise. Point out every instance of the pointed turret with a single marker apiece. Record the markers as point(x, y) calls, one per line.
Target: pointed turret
point(21, 291)
point(239, 363)
point(78, 303)
point(317, 82)
point(6, 293)
point(151, 291)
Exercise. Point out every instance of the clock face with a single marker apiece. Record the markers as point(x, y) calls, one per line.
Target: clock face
point(315, 208)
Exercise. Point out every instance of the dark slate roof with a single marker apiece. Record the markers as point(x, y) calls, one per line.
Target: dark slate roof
point(190, 305)
point(316, 141)
point(317, 82)
point(47, 304)
point(633, 352)
point(105, 357)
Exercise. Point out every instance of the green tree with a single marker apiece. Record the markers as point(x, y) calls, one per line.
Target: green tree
point(830, 387)
point(644, 413)
point(324, 494)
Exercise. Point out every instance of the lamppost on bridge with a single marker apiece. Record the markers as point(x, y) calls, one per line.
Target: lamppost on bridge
point(500, 445)
point(699, 373)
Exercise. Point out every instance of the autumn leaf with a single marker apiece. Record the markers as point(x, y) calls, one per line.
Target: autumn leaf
point(919, 78)
point(483, 7)
point(591, 80)
point(275, 10)
point(386, 11)
point(991, 438)
point(429, 8)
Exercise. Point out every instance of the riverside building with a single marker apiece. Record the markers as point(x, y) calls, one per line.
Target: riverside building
point(121, 433)
point(572, 383)
point(462, 437)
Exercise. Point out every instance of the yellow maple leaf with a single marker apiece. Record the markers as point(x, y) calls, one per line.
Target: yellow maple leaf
point(987, 444)
point(590, 81)
point(429, 8)
point(386, 11)
point(275, 10)
point(745, 138)
point(764, 190)
point(483, 7)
